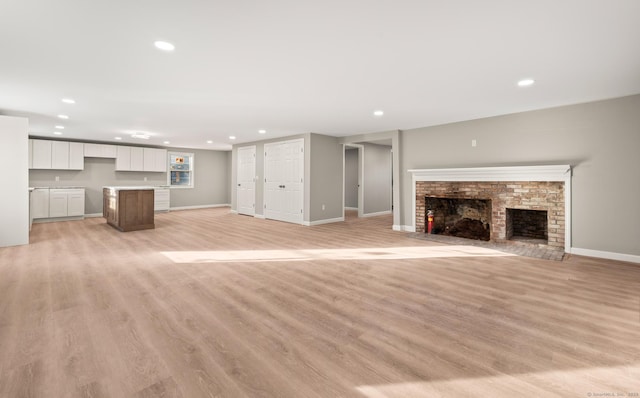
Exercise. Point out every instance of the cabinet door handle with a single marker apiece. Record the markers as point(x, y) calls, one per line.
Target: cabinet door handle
point(239, 184)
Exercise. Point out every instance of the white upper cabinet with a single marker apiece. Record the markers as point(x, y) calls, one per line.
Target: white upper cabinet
point(155, 160)
point(56, 155)
point(59, 155)
point(123, 158)
point(137, 159)
point(41, 154)
point(100, 151)
point(130, 158)
point(76, 156)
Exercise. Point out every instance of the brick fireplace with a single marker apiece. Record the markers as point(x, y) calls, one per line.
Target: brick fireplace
point(531, 202)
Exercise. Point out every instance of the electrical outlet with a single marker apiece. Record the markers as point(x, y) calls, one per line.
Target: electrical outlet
point(322, 207)
point(57, 178)
point(145, 178)
point(474, 143)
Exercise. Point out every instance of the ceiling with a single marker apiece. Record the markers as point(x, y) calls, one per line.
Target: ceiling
point(297, 66)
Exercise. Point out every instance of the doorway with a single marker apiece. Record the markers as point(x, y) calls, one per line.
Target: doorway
point(246, 179)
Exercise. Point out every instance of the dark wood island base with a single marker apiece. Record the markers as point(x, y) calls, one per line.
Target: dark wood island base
point(129, 208)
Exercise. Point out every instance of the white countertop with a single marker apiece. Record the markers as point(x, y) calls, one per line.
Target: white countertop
point(133, 188)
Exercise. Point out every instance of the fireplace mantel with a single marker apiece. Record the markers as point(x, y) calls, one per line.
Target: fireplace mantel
point(561, 173)
point(515, 173)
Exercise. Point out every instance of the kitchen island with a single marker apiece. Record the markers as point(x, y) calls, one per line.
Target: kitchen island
point(129, 208)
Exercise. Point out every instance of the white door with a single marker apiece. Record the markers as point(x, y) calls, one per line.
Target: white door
point(284, 185)
point(246, 180)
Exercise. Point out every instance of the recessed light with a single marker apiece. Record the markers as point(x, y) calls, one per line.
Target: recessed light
point(140, 136)
point(164, 46)
point(232, 137)
point(57, 132)
point(262, 131)
point(68, 101)
point(166, 142)
point(63, 117)
point(117, 138)
point(526, 82)
point(209, 142)
point(60, 127)
point(378, 113)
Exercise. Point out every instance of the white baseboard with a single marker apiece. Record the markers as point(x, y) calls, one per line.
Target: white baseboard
point(233, 211)
point(260, 216)
point(199, 207)
point(93, 215)
point(380, 213)
point(351, 208)
point(56, 219)
point(405, 228)
point(320, 222)
point(608, 255)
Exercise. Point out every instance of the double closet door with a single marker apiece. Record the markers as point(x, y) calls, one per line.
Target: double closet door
point(284, 181)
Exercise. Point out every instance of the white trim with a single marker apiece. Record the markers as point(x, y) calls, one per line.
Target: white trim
point(380, 213)
point(512, 173)
point(56, 219)
point(351, 208)
point(255, 176)
point(199, 207)
point(93, 215)
point(516, 173)
point(320, 222)
point(260, 216)
point(607, 255)
point(405, 228)
point(233, 211)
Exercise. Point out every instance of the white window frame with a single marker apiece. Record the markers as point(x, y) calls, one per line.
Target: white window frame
point(192, 179)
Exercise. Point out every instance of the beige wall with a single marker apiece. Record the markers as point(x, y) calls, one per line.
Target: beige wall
point(601, 140)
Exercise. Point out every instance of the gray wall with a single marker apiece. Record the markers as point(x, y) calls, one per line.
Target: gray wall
point(351, 177)
point(211, 180)
point(211, 185)
point(377, 179)
point(326, 178)
point(600, 139)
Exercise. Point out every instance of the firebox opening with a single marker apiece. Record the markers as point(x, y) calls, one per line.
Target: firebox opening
point(464, 218)
point(527, 225)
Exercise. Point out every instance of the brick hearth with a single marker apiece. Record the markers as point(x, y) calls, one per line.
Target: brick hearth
point(525, 195)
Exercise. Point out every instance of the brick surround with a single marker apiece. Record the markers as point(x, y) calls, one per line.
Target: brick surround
point(526, 195)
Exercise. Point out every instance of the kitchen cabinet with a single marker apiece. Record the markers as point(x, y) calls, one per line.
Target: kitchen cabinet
point(129, 158)
point(41, 151)
point(40, 203)
point(155, 160)
point(66, 202)
point(100, 151)
point(59, 155)
point(56, 155)
point(76, 156)
point(161, 201)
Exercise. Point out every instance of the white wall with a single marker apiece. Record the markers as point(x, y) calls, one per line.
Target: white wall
point(14, 201)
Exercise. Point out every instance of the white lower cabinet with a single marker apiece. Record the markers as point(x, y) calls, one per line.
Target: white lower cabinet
point(63, 202)
point(162, 198)
point(40, 203)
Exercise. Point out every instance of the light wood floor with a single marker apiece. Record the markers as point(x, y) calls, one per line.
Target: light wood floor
point(211, 304)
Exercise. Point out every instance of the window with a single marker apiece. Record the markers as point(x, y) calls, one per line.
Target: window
point(180, 170)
